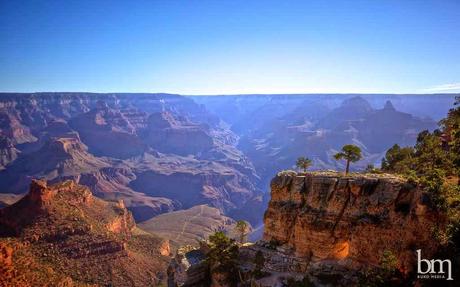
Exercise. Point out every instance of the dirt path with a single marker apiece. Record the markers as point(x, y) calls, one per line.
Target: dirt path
point(187, 222)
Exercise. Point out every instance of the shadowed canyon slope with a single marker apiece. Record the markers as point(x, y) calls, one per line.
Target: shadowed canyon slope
point(158, 152)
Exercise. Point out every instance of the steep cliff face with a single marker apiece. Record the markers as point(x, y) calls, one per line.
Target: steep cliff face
point(330, 219)
point(109, 132)
point(169, 134)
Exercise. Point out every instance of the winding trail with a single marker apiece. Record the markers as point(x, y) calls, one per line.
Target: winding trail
point(187, 222)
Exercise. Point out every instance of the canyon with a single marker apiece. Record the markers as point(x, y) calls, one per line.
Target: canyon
point(165, 152)
point(157, 152)
point(185, 167)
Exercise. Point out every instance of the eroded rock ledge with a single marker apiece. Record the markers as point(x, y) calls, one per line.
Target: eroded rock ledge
point(332, 219)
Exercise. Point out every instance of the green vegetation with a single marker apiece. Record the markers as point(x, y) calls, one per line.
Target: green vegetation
point(389, 262)
point(387, 274)
point(451, 127)
point(399, 160)
point(242, 229)
point(303, 163)
point(439, 150)
point(370, 168)
point(350, 153)
point(434, 164)
point(223, 256)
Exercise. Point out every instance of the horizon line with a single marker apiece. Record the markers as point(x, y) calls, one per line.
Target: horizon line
point(236, 94)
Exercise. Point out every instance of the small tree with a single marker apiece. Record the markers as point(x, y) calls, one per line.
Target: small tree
point(223, 256)
point(242, 229)
point(399, 159)
point(370, 168)
point(303, 163)
point(387, 275)
point(388, 262)
point(350, 153)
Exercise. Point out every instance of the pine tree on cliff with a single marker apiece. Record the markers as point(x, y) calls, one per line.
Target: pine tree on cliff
point(242, 229)
point(350, 153)
point(223, 257)
point(303, 163)
point(451, 129)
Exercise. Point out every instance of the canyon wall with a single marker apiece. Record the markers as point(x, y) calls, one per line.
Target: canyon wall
point(157, 152)
point(331, 219)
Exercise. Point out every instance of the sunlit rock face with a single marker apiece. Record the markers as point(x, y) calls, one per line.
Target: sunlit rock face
point(64, 225)
point(350, 220)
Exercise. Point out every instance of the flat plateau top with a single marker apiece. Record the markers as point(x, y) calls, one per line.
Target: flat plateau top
point(351, 175)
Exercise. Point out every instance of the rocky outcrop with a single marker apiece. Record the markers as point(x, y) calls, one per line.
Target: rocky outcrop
point(171, 134)
point(221, 187)
point(60, 232)
point(8, 272)
point(123, 222)
point(334, 220)
point(188, 268)
point(112, 183)
point(109, 132)
point(8, 152)
point(6, 255)
point(57, 158)
point(12, 128)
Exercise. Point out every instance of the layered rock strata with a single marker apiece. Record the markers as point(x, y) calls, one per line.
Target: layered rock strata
point(350, 220)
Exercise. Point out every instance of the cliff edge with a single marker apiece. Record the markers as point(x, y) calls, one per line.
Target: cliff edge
point(330, 219)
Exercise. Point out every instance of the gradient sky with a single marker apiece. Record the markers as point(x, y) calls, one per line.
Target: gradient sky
point(229, 47)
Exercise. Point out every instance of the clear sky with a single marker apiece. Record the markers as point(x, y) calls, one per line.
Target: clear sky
point(229, 47)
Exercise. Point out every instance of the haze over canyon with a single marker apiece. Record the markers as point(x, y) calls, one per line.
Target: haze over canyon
point(186, 167)
point(162, 152)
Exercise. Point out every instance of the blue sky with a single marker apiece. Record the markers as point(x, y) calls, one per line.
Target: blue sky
point(230, 47)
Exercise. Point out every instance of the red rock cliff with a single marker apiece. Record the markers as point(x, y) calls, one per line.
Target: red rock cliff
point(350, 220)
point(61, 233)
